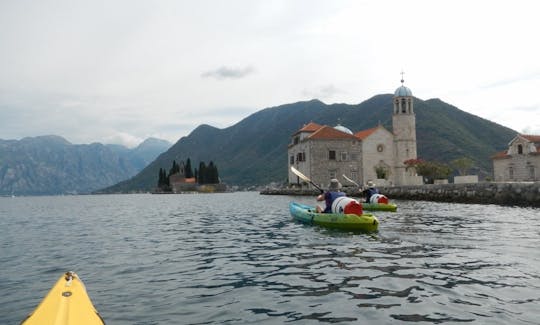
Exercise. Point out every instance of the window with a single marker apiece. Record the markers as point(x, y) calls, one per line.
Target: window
point(301, 156)
point(531, 173)
point(343, 156)
point(331, 155)
point(403, 106)
point(511, 172)
point(296, 140)
point(380, 148)
point(291, 161)
point(332, 174)
point(520, 149)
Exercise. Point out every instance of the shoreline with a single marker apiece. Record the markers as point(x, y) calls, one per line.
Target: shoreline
point(513, 194)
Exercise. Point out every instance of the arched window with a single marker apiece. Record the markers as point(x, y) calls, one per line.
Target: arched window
point(520, 149)
point(403, 105)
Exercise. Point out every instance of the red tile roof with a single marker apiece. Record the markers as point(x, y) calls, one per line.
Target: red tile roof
point(531, 137)
point(327, 132)
point(365, 133)
point(500, 155)
point(310, 127)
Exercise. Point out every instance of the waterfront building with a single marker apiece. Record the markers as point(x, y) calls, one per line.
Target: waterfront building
point(520, 162)
point(322, 152)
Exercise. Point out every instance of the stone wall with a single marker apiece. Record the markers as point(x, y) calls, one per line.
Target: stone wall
point(522, 194)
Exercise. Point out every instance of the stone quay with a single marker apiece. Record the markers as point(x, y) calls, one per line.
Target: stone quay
point(508, 193)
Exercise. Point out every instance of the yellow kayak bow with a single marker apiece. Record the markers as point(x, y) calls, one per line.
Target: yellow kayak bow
point(66, 304)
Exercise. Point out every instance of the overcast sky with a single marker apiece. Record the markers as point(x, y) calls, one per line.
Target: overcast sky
point(119, 71)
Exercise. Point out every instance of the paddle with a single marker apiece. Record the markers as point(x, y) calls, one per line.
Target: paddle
point(350, 180)
point(305, 178)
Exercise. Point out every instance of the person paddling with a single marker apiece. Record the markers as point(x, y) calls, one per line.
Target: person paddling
point(370, 190)
point(330, 195)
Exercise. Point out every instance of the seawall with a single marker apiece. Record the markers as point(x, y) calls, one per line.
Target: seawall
point(520, 194)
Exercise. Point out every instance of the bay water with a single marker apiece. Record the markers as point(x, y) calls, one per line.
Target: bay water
point(239, 258)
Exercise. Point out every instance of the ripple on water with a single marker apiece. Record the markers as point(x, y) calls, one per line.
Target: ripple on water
point(238, 258)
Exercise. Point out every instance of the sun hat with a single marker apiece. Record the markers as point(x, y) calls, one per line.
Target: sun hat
point(370, 184)
point(334, 185)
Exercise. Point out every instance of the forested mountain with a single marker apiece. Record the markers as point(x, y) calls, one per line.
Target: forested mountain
point(49, 165)
point(254, 151)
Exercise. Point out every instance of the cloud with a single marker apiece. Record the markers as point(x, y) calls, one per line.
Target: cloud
point(229, 73)
point(326, 91)
point(529, 108)
point(509, 81)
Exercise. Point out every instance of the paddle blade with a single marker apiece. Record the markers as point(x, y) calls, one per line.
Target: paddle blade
point(299, 174)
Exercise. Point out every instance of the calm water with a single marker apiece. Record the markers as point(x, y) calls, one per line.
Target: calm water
point(238, 258)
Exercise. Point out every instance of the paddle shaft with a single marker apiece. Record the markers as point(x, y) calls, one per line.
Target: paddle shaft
point(350, 180)
point(305, 178)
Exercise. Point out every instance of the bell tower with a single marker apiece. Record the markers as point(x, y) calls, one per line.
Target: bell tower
point(404, 129)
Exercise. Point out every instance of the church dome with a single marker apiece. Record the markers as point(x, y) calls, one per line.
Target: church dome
point(403, 92)
point(343, 129)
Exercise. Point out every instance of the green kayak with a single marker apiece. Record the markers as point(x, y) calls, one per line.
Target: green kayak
point(307, 214)
point(391, 207)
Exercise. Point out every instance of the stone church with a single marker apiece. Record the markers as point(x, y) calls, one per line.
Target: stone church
point(520, 162)
point(323, 152)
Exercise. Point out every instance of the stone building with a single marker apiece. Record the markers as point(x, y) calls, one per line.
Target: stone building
point(322, 152)
point(520, 162)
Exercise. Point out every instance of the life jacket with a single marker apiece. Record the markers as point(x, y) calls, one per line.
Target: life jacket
point(370, 192)
point(329, 199)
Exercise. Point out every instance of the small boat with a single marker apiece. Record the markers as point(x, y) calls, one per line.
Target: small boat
point(66, 304)
point(391, 207)
point(307, 214)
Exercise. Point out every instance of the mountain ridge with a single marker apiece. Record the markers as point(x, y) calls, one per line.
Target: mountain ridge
point(253, 152)
point(51, 165)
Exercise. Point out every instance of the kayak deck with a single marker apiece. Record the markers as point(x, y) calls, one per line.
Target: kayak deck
point(307, 214)
point(390, 207)
point(67, 303)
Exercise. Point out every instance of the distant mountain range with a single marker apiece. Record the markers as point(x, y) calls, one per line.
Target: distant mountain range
point(50, 165)
point(254, 151)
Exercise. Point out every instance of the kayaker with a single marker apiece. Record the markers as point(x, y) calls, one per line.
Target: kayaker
point(370, 190)
point(330, 195)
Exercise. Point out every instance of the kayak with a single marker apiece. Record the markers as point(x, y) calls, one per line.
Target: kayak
point(379, 207)
point(66, 304)
point(307, 214)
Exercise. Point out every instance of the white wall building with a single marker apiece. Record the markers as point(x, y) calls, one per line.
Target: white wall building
point(322, 152)
point(520, 162)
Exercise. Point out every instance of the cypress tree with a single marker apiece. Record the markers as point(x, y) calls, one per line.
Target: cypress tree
point(212, 173)
point(202, 173)
point(188, 171)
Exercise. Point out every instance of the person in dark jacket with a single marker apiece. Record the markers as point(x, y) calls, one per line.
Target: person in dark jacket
point(330, 195)
point(370, 190)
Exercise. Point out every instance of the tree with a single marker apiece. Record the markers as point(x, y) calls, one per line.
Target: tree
point(462, 165)
point(188, 171)
point(163, 180)
point(433, 170)
point(212, 174)
point(202, 173)
point(174, 169)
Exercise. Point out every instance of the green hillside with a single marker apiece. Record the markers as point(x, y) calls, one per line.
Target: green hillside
point(254, 151)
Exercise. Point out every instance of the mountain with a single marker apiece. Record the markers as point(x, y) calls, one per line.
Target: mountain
point(48, 165)
point(254, 151)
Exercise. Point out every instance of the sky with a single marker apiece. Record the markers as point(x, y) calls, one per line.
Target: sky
point(120, 71)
